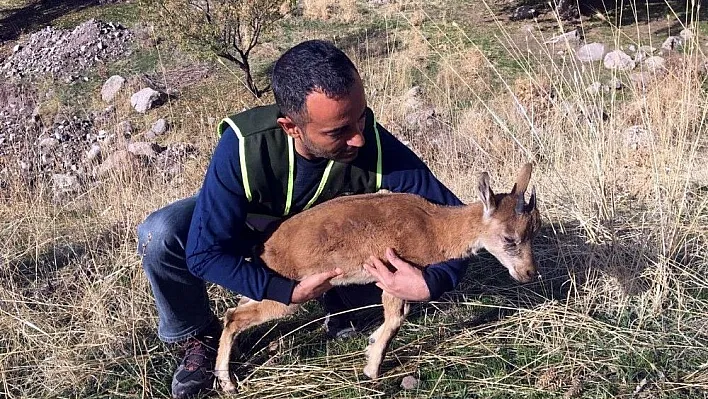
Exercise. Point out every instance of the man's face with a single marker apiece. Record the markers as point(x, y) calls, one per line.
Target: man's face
point(333, 128)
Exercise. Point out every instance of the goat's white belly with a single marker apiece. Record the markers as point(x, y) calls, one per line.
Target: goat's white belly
point(353, 278)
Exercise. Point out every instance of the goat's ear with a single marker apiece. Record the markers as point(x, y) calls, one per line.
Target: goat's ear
point(486, 194)
point(522, 181)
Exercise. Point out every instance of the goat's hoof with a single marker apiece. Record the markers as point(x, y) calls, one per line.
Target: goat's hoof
point(225, 382)
point(371, 372)
point(228, 387)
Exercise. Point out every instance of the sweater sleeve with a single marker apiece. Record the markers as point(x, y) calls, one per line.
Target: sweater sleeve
point(404, 172)
point(218, 240)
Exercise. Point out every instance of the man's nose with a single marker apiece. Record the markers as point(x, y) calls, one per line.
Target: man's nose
point(357, 140)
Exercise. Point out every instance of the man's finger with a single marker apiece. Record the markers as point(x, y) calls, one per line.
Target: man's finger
point(334, 273)
point(394, 259)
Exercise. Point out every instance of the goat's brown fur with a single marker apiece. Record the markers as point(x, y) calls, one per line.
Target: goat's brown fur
point(345, 231)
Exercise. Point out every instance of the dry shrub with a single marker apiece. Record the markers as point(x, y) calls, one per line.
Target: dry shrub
point(325, 10)
point(462, 75)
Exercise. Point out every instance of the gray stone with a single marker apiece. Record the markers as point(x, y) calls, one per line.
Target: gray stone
point(591, 52)
point(94, 152)
point(111, 87)
point(409, 383)
point(618, 60)
point(647, 49)
point(672, 43)
point(654, 63)
point(594, 88)
point(687, 34)
point(16, 48)
point(159, 127)
point(146, 99)
point(48, 143)
point(637, 137)
point(119, 161)
point(615, 83)
point(145, 148)
point(524, 12)
point(124, 127)
point(64, 183)
point(632, 48)
point(568, 37)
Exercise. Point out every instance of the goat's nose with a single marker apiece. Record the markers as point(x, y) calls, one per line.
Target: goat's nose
point(531, 274)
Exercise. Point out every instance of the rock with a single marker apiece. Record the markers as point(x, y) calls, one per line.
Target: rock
point(16, 48)
point(94, 152)
point(647, 49)
point(67, 54)
point(618, 60)
point(159, 127)
point(409, 383)
point(568, 37)
point(119, 161)
point(654, 63)
point(615, 83)
point(632, 48)
point(594, 88)
point(111, 87)
point(591, 52)
point(147, 99)
point(687, 34)
point(672, 43)
point(421, 118)
point(144, 148)
point(64, 184)
point(412, 98)
point(523, 12)
point(637, 137)
point(125, 128)
point(48, 143)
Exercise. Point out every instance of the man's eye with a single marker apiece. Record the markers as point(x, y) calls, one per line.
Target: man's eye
point(509, 241)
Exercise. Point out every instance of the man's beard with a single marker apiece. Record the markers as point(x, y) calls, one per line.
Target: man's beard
point(346, 154)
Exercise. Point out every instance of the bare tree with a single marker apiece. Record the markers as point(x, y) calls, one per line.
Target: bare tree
point(231, 29)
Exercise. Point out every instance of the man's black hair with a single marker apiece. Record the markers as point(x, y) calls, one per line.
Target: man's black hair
point(314, 65)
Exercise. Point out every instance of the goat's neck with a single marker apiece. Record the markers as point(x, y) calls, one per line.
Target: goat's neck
point(462, 230)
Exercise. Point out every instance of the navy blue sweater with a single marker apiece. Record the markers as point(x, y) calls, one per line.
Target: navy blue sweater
point(216, 245)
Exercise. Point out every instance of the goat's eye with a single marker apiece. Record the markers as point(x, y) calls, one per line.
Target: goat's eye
point(509, 241)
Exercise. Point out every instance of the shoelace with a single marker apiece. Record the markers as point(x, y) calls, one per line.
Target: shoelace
point(196, 354)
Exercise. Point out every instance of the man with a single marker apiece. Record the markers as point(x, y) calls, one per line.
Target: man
point(320, 141)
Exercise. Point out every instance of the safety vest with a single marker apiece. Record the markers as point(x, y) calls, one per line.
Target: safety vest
point(267, 160)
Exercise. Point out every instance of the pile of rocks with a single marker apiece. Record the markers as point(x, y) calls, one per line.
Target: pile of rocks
point(66, 54)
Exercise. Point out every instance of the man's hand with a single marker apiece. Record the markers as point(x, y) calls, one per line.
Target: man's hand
point(406, 282)
point(313, 286)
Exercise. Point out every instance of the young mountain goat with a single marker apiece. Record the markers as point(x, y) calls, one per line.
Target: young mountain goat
point(346, 231)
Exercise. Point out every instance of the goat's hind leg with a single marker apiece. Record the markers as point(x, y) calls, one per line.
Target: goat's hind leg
point(247, 314)
point(395, 311)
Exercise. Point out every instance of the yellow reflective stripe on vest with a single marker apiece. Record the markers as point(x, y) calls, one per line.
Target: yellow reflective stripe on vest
point(379, 168)
point(325, 176)
point(291, 175)
point(242, 157)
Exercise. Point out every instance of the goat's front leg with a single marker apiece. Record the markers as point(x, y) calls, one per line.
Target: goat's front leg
point(395, 311)
point(247, 314)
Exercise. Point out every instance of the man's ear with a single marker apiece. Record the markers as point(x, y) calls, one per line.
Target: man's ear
point(289, 127)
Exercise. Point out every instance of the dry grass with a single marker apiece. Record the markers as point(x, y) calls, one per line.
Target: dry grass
point(622, 310)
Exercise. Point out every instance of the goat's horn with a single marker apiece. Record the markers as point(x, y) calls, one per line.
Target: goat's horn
point(532, 200)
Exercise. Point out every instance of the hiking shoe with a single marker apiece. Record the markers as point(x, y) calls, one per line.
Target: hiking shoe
point(339, 327)
point(194, 375)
